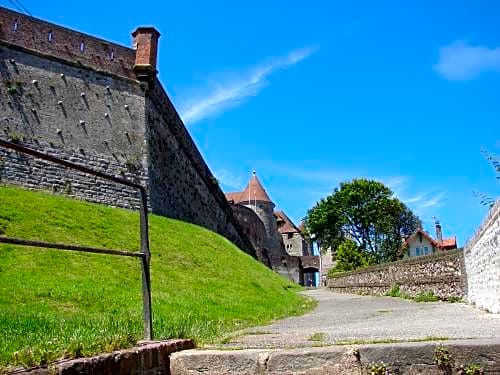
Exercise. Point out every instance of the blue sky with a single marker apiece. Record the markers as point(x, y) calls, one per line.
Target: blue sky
point(314, 93)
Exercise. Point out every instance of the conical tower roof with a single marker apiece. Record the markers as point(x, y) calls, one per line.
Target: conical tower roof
point(254, 191)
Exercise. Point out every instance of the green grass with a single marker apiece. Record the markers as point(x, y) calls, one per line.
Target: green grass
point(389, 340)
point(317, 336)
point(56, 304)
point(428, 296)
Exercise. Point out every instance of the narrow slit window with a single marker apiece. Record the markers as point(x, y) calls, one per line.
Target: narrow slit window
point(49, 36)
point(82, 46)
point(15, 25)
point(112, 55)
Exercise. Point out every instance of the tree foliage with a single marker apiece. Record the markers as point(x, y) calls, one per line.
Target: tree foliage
point(366, 212)
point(348, 257)
point(486, 199)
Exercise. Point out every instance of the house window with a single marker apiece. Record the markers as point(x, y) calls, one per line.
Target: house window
point(426, 250)
point(417, 251)
point(290, 235)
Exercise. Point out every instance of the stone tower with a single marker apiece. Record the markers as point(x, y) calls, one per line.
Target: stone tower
point(255, 197)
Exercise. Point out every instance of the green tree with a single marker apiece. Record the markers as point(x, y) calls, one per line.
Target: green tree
point(349, 257)
point(366, 212)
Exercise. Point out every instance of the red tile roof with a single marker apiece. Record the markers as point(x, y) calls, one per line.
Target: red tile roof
point(449, 243)
point(287, 225)
point(234, 196)
point(254, 191)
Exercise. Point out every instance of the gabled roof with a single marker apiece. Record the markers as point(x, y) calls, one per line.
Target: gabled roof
point(446, 244)
point(412, 236)
point(287, 225)
point(254, 191)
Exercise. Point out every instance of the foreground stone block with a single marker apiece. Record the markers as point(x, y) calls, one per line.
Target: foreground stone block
point(401, 358)
point(244, 362)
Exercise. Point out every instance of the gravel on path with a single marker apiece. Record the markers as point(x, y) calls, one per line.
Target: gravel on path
point(347, 318)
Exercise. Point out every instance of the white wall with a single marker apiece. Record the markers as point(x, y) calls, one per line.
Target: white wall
point(482, 263)
point(421, 245)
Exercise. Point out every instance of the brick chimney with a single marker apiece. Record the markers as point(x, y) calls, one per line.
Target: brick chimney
point(146, 49)
point(439, 233)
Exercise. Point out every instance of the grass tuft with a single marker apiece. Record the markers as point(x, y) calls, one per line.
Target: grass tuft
point(318, 336)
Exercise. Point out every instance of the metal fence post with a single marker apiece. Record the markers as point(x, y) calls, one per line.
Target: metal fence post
point(145, 263)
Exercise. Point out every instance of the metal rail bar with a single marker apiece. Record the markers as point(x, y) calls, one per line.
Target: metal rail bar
point(144, 253)
point(61, 246)
point(81, 168)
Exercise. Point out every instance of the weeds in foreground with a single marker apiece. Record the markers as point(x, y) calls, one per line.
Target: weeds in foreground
point(388, 340)
point(428, 296)
point(318, 336)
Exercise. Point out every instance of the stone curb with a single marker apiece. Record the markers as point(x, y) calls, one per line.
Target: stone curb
point(400, 358)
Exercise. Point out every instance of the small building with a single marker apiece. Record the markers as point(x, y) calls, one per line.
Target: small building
point(293, 239)
point(421, 243)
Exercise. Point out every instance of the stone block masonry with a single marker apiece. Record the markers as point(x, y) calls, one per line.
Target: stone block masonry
point(148, 358)
point(76, 114)
point(96, 103)
point(401, 358)
point(442, 273)
point(19, 30)
point(482, 263)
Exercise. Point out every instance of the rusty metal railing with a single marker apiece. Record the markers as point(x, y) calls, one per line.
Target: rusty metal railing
point(144, 253)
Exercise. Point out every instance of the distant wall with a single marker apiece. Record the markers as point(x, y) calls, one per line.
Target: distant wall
point(442, 273)
point(326, 263)
point(288, 266)
point(482, 263)
point(265, 211)
point(294, 244)
point(254, 229)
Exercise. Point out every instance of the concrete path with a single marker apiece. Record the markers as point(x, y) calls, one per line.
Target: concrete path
point(347, 318)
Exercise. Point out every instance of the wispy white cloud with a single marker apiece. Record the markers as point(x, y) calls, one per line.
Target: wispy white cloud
point(461, 61)
point(232, 90)
point(230, 180)
point(431, 200)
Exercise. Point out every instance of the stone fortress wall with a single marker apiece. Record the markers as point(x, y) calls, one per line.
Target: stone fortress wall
point(482, 263)
point(73, 113)
point(96, 103)
point(255, 230)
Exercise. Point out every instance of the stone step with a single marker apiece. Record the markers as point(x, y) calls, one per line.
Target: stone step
point(400, 358)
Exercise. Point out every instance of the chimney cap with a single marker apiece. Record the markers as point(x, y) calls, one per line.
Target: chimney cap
point(146, 30)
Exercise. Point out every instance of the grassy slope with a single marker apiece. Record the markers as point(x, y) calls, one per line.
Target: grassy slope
point(55, 303)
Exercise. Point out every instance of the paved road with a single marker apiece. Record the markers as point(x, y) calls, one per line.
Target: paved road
point(341, 317)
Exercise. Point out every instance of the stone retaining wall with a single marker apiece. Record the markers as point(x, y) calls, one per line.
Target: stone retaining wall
point(482, 263)
point(442, 273)
point(149, 358)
